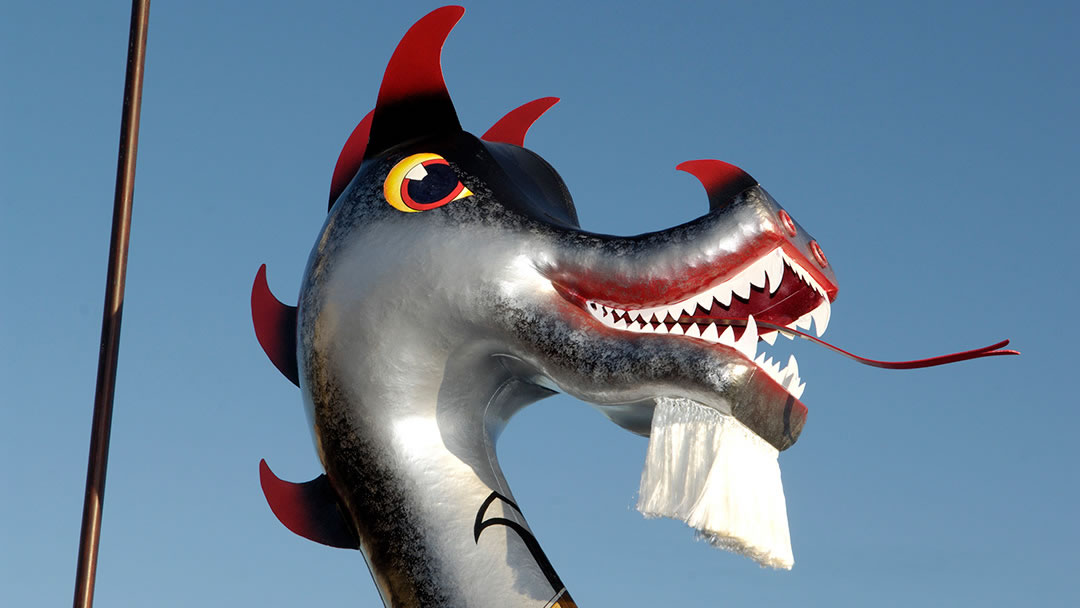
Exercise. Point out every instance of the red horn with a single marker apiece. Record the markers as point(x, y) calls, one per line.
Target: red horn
point(413, 101)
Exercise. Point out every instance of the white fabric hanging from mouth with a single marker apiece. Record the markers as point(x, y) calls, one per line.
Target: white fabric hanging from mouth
point(709, 470)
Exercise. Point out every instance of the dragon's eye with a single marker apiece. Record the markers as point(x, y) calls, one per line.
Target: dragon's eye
point(421, 182)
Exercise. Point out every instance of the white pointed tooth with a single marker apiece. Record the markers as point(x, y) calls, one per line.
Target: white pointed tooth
point(798, 391)
point(620, 324)
point(792, 370)
point(803, 322)
point(757, 273)
point(774, 268)
point(747, 344)
point(774, 367)
point(693, 330)
point(728, 337)
point(764, 363)
point(704, 301)
point(741, 287)
point(791, 385)
point(770, 337)
point(672, 311)
point(688, 307)
point(799, 272)
point(710, 333)
point(821, 317)
point(607, 311)
point(676, 329)
point(722, 294)
point(661, 329)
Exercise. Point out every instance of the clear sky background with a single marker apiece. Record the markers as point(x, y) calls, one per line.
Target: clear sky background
point(930, 147)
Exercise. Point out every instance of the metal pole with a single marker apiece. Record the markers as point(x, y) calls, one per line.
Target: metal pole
point(114, 305)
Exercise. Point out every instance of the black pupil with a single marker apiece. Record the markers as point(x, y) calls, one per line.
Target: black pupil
point(439, 183)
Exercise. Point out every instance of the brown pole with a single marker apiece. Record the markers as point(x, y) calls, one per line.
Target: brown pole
point(114, 305)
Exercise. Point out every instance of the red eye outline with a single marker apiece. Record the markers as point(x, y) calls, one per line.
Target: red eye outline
point(396, 186)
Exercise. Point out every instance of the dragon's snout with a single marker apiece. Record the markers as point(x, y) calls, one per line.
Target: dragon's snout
point(728, 281)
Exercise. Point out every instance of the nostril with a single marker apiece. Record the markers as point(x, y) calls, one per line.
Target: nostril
point(789, 224)
point(819, 255)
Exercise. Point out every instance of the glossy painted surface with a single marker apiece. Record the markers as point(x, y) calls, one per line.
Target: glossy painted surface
point(424, 325)
point(890, 132)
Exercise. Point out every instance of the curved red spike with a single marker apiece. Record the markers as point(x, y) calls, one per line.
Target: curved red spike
point(350, 159)
point(413, 100)
point(275, 327)
point(511, 129)
point(722, 181)
point(308, 509)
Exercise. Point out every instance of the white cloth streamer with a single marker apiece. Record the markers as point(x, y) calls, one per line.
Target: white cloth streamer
point(712, 472)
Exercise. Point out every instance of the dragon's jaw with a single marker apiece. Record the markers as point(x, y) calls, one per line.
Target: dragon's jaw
point(774, 289)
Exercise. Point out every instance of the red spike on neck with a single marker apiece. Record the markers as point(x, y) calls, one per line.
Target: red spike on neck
point(722, 181)
point(511, 129)
point(275, 327)
point(350, 159)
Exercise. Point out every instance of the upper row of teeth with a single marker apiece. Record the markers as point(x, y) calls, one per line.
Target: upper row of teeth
point(770, 266)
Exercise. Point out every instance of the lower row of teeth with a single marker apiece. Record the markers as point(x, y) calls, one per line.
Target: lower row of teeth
point(787, 377)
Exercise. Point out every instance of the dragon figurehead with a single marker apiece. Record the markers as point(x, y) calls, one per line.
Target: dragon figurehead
point(451, 286)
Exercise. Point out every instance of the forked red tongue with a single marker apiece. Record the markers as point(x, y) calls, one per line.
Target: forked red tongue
point(987, 351)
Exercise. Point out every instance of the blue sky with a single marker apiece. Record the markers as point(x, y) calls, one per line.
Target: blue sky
point(929, 147)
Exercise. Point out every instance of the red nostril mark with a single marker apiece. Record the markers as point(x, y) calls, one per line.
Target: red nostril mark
point(819, 255)
point(789, 224)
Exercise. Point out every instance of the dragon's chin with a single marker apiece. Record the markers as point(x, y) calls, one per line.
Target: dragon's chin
point(773, 289)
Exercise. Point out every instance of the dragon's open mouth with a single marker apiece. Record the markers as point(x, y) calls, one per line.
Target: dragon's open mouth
point(773, 290)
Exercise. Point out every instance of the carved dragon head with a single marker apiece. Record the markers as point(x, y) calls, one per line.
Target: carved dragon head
point(451, 285)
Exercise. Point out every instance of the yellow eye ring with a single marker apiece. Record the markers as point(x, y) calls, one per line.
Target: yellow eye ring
point(421, 182)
